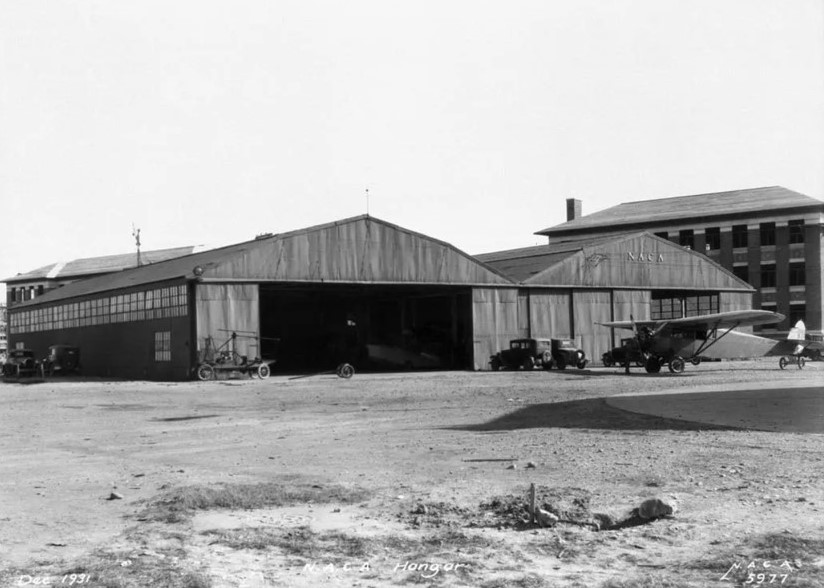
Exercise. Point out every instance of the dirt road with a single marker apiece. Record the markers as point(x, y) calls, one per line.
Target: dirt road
point(434, 454)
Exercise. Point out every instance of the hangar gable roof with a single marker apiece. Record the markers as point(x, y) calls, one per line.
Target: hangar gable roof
point(636, 260)
point(361, 249)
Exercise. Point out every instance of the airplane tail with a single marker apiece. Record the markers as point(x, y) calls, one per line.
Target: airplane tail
point(798, 332)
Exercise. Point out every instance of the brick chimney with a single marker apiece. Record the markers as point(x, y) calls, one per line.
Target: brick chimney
point(573, 209)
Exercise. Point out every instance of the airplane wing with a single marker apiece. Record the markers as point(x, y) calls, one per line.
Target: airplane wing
point(733, 318)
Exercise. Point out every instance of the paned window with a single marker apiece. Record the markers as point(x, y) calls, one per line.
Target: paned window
point(796, 229)
point(767, 234)
point(163, 346)
point(768, 275)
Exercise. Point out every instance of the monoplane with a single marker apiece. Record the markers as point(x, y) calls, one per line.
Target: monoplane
point(673, 342)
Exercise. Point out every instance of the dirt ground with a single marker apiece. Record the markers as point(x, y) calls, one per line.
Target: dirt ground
point(422, 479)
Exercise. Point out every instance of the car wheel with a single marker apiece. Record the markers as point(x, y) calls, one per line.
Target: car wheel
point(607, 361)
point(653, 365)
point(529, 363)
point(495, 364)
point(676, 365)
point(782, 363)
point(263, 371)
point(205, 372)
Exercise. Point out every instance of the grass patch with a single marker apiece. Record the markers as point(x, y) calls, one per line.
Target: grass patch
point(768, 559)
point(784, 546)
point(178, 504)
point(113, 570)
point(300, 542)
point(400, 554)
point(305, 543)
point(649, 581)
point(525, 581)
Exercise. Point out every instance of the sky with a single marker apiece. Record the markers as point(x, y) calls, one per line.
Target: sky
point(208, 122)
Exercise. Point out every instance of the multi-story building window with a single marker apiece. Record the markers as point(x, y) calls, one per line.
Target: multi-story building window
point(797, 313)
point(742, 272)
point(798, 274)
point(713, 236)
point(740, 236)
point(796, 231)
point(686, 238)
point(767, 234)
point(768, 275)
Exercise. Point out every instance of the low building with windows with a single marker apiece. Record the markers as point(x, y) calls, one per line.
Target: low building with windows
point(313, 297)
point(29, 285)
point(772, 238)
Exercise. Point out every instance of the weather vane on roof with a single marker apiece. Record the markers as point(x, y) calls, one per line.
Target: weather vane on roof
point(136, 235)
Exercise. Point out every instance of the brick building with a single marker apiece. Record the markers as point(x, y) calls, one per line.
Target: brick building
point(770, 237)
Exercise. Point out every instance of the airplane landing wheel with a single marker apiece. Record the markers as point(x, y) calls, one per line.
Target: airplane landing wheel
point(653, 365)
point(345, 370)
point(801, 362)
point(676, 365)
point(782, 363)
point(695, 361)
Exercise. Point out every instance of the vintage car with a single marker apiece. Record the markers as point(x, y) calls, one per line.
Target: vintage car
point(523, 353)
point(20, 362)
point(566, 353)
point(62, 359)
point(544, 353)
point(629, 351)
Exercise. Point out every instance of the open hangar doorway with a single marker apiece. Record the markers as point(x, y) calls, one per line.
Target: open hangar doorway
point(313, 328)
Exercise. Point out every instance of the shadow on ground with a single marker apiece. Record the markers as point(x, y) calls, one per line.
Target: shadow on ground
point(592, 413)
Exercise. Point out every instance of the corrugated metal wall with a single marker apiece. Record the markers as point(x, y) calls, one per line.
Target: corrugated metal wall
point(639, 261)
point(735, 301)
point(228, 307)
point(626, 305)
point(589, 307)
point(359, 251)
point(494, 322)
point(550, 313)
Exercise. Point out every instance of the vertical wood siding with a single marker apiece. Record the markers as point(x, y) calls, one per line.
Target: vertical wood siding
point(494, 322)
point(589, 307)
point(364, 250)
point(736, 301)
point(626, 305)
point(550, 314)
point(233, 307)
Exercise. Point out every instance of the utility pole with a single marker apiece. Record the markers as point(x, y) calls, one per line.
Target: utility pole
point(136, 235)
